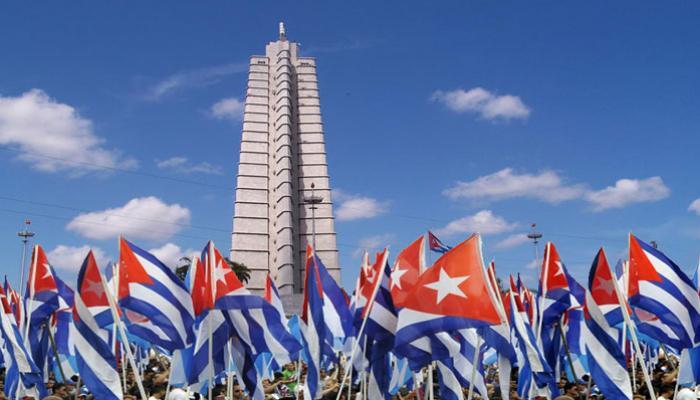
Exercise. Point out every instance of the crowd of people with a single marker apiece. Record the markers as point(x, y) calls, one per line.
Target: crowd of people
point(288, 384)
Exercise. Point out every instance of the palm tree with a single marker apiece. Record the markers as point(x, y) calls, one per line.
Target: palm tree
point(241, 270)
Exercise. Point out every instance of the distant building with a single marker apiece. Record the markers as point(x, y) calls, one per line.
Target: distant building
point(282, 154)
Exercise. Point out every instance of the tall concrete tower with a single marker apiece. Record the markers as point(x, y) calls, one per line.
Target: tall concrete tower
point(283, 156)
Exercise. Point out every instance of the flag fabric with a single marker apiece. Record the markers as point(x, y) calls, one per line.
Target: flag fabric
point(461, 364)
point(451, 295)
point(313, 327)
point(159, 300)
point(272, 295)
point(602, 288)
point(96, 362)
point(379, 382)
point(336, 310)
point(689, 367)
point(555, 296)
point(15, 303)
point(658, 286)
point(436, 245)
point(409, 264)
point(41, 296)
point(533, 366)
point(256, 322)
point(606, 361)
point(22, 375)
point(196, 359)
point(380, 312)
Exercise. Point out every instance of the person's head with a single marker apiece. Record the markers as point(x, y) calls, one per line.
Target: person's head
point(571, 389)
point(60, 389)
point(666, 391)
point(290, 366)
point(158, 391)
point(686, 394)
point(237, 392)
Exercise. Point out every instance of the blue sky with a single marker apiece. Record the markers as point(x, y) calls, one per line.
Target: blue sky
point(463, 116)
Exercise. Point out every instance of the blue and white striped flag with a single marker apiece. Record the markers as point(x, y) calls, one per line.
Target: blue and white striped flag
point(152, 291)
point(96, 363)
point(605, 358)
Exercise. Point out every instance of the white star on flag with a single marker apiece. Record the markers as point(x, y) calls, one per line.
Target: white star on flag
point(396, 275)
point(447, 285)
point(560, 270)
point(603, 284)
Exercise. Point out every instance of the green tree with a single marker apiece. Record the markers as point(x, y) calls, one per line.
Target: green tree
point(241, 270)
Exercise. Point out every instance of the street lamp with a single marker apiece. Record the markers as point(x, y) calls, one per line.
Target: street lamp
point(313, 200)
point(535, 237)
point(25, 234)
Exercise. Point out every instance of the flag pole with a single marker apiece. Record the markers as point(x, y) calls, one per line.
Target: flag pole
point(364, 322)
point(568, 351)
point(122, 334)
point(55, 351)
point(633, 333)
point(212, 265)
point(30, 304)
point(545, 273)
point(475, 361)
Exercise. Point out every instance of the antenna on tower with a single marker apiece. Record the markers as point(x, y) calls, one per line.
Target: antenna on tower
point(283, 32)
point(535, 236)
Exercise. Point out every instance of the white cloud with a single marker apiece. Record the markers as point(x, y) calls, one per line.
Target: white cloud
point(230, 108)
point(373, 243)
point(531, 265)
point(695, 206)
point(71, 258)
point(52, 136)
point(351, 207)
point(628, 191)
point(546, 186)
point(480, 101)
point(184, 165)
point(192, 78)
point(170, 254)
point(511, 241)
point(484, 222)
point(141, 218)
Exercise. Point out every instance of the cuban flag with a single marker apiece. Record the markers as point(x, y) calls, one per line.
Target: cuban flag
point(533, 366)
point(409, 265)
point(380, 312)
point(461, 365)
point(658, 286)
point(257, 323)
point(602, 288)
point(158, 299)
point(60, 323)
point(336, 310)
point(41, 300)
point(22, 377)
point(379, 382)
point(313, 327)
point(95, 360)
point(41, 296)
point(272, 295)
point(555, 296)
point(606, 361)
point(436, 245)
point(15, 303)
point(451, 295)
point(198, 365)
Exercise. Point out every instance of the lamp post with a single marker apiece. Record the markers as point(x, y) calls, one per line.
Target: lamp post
point(25, 234)
point(535, 237)
point(313, 200)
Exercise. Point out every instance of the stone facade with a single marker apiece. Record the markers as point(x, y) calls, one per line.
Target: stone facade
point(282, 155)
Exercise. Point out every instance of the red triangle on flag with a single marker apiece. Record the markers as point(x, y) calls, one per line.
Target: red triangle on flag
point(456, 286)
point(407, 268)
